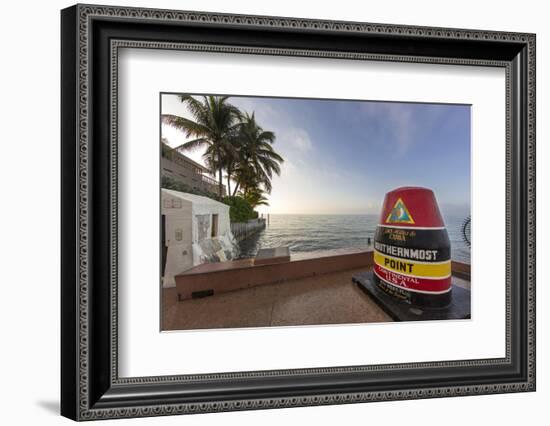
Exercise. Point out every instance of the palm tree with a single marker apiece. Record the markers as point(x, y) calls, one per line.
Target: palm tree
point(255, 197)
point(257, 160)
point(215, 123)
point(231, 157)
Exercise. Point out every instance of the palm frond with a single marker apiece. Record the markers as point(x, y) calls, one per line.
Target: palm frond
point(267, 136)
point(188, 127)
point(192, 144)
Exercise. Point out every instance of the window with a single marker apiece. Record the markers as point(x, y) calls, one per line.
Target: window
point(203, 222)
point(214, 225)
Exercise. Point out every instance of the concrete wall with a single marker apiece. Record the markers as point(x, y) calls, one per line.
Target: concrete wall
point(242, 230)
point(220, 278)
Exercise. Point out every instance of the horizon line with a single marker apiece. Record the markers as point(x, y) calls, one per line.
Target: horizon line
point(325, 214)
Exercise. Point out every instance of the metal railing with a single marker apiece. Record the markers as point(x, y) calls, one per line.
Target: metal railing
point(209, 180)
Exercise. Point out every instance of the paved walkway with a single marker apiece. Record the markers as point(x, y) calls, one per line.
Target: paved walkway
point(326, 299)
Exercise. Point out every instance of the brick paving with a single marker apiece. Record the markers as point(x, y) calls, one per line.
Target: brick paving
point(325, 299)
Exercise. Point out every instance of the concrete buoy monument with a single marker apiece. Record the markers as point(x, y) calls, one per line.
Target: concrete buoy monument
point(412, 253)
point(411, 277)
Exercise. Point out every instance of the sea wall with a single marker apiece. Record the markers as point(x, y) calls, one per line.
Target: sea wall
point(215, 278)
point(242, 230)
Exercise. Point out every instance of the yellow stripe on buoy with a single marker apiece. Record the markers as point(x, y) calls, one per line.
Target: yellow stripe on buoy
point(413, 269)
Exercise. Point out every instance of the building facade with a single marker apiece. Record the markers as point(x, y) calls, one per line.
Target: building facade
point(182, 169)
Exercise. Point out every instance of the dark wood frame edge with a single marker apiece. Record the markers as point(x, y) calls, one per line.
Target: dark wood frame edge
point(88, 391)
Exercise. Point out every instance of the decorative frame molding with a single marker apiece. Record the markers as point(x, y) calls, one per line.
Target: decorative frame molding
point(91, 388)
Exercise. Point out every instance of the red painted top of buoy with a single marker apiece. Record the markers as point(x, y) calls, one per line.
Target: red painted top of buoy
point(411, 206)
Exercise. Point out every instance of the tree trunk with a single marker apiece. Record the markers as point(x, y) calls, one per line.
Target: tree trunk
point(235, 190)
point(221, 181)
point(228, 183)
point(220, 186)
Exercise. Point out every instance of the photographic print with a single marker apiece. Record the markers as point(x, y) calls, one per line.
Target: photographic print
point(302, 198)
point(293, 211)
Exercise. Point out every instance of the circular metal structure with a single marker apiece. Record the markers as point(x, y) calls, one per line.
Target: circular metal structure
point(466, 231)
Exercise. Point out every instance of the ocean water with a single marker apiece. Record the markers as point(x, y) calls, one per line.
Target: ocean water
point(307, 234)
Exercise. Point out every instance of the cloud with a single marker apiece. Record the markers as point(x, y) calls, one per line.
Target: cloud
point(399, 124)
point(297, 138)
point(277, 119)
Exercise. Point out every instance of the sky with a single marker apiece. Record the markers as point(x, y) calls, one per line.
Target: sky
point(341, 157)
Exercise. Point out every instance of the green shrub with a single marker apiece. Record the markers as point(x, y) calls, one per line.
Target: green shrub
point(240, 210)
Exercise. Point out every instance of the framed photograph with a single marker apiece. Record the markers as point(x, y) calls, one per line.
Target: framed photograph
point(263, 212)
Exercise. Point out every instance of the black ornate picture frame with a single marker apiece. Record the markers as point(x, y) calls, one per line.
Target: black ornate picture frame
point(91, 36)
